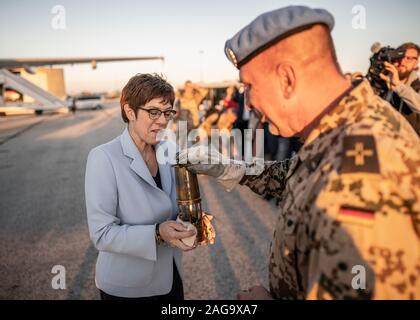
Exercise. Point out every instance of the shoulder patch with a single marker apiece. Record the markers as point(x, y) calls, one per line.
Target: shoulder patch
point(359, 154)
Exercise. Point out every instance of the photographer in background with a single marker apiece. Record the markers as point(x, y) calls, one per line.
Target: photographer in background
point(404, 83)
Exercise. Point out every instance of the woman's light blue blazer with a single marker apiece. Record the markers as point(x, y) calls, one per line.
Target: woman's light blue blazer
point(123, 205)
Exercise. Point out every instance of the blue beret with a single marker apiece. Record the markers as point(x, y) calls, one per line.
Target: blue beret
point(269, 28)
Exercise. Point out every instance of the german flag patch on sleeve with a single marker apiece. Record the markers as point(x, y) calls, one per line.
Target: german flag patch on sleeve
point(356, 215)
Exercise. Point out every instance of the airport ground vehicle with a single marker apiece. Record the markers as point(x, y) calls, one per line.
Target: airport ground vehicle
point(92, 102)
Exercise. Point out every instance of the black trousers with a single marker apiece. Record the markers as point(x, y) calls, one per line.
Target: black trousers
point(176, 293)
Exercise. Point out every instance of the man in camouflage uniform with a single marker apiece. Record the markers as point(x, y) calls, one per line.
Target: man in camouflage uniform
point(189, 100)
point(349, 226)
point(350, 198)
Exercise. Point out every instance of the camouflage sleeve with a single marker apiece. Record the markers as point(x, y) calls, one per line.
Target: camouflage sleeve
point(366, 242)
point(271, 181)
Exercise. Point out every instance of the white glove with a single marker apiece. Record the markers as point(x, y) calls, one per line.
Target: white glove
point(204, 159)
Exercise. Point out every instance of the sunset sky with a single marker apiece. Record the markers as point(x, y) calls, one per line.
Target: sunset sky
point(190, 34)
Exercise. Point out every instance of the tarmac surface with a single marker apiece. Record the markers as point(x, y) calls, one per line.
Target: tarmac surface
point(43, 216)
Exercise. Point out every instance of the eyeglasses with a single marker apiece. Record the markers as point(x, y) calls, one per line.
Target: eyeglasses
point(155, 113)
point(247, 101)
point(410, 58)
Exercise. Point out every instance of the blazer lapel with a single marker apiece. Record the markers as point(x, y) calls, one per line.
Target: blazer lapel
point(137, 165)
point(165, 177)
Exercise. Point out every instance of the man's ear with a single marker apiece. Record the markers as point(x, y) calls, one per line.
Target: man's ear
point(130, 113)
point(287, 79)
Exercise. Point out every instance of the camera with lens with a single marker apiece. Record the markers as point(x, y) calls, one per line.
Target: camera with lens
point(381, 55)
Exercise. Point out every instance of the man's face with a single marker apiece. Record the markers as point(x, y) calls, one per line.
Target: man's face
point(264, 95)
point(408, 64)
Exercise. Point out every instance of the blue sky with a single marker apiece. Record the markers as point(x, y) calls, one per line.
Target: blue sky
point(179, 30)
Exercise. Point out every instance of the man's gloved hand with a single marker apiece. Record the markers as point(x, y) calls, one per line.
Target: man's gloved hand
point(204, 159)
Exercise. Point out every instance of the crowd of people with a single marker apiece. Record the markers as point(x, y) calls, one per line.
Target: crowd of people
point(223, 108)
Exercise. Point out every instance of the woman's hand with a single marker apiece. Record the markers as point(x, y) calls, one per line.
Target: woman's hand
point(171, 232)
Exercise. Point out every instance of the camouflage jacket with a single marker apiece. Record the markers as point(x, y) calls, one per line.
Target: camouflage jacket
point(350, 212)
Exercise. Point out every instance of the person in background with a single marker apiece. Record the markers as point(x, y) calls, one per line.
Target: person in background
point(229, 101)
point(404, 84)
point(190, 99)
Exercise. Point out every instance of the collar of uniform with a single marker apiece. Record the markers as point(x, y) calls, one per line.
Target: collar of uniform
point(343, 114)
